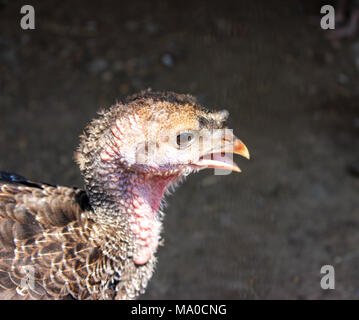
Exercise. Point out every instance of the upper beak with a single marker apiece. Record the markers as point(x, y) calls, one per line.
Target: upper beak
point(240, 148)
point(229, 144)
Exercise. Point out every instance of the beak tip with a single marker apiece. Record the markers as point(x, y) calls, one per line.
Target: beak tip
point(241, 149)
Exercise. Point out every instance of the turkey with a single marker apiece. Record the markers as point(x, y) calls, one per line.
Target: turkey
point(58, 242)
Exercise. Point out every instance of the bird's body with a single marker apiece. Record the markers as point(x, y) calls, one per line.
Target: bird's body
point(99, 243)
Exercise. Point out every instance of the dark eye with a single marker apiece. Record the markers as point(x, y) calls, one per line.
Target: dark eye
point(185, 139)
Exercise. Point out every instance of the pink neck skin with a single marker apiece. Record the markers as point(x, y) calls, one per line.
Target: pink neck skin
point(146, 193)
point(142, 196)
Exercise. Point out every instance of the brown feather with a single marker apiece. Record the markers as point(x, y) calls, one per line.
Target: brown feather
point(40, 228)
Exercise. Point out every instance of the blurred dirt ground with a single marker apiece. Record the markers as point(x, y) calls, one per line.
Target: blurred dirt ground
point(293, 99)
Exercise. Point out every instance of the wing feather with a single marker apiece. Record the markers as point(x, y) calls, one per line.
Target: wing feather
point(36, 231)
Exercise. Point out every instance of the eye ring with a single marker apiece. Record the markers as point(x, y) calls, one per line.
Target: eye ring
point(185, 138)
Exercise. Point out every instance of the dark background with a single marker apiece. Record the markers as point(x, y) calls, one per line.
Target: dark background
point(293, 99)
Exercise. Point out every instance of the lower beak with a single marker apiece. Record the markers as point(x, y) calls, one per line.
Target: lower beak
point(219, 160)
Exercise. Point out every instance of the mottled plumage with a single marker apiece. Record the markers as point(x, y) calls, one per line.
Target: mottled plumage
point(59, 243)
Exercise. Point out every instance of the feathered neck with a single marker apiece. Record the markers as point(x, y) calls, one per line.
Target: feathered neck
point(127, 205)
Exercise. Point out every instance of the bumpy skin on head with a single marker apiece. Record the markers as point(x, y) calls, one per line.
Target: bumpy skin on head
point(100, 243)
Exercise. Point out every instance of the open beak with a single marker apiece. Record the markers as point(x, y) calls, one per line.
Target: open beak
point(218, 160)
